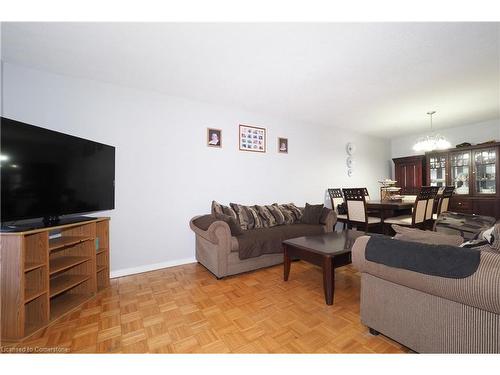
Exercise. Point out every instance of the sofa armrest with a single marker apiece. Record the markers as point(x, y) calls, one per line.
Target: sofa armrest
point(481, 289)
point(330, 221)
point(217, 233)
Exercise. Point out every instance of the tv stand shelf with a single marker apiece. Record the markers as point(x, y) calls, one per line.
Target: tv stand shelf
point(62, 242)
point(44, 278)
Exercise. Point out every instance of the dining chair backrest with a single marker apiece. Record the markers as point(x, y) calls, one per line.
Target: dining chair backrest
point(336, 198)
point(421, 202)
point(424, 204)
point(367, 195)
point(356, 205)
point(433, 190)
point(409, 198)
point(444, 200)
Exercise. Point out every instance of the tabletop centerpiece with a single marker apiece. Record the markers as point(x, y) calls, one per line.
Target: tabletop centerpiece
point(388, 190)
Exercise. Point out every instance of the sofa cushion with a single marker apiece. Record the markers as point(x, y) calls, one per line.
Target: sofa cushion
point(425, 236)
point(488, 235)
point(287, 214)
point(268, 219)
point(278, 215)
point(216, 208)
point(253, 243)
point(495, 241)
point(312, 214)
point(296, 212)
point(204, 222)
point(490, 238)
point(245, 218)
point(257, 220)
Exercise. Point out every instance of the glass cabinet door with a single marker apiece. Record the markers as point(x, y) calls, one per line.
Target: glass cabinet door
point(437, 170)
point(460, 170)
point(485, 171)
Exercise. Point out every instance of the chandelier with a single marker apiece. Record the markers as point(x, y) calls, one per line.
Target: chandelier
point(432, 141)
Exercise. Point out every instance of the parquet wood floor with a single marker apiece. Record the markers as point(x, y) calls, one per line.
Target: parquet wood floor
point(185, 309)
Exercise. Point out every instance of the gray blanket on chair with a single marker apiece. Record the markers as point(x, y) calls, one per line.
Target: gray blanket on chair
point(435, 260)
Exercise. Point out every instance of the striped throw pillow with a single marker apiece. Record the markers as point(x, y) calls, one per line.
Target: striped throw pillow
point(267, 217)
point(287, 214)
point(245, 218)
point(278, 215)
point(297, 212)
point(226, 210)
point(256, 218)
point(216, 208)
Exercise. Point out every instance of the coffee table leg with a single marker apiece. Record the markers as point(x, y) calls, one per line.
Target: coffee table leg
point(328, 280)
point(286, 263)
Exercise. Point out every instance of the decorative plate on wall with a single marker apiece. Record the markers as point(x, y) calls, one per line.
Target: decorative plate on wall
point(351, 148)
point(350, 162)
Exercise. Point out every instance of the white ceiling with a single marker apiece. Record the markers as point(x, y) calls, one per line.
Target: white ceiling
point(379, 79)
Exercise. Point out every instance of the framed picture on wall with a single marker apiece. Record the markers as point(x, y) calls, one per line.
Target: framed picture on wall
point(283, 145)
point(214, 137)
point(252, 138)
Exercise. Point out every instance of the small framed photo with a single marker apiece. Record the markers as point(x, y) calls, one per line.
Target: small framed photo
point(283, 145)
point(214, 137)
point(252, 138)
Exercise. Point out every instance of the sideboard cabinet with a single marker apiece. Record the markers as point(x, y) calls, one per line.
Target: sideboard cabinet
point(473, 171)
point(409, 172)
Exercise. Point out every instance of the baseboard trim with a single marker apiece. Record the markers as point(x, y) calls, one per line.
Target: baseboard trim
point(150, 267)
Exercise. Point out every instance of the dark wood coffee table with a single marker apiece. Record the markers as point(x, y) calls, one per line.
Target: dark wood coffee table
point(329, 251)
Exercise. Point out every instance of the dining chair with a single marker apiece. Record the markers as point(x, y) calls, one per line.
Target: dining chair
point(367, 198)
point(337, 198)
point(444, 201)
point(367, 195)
point(420, 213)
point(357, 214)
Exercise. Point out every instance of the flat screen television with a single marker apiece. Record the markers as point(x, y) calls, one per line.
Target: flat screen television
point(46, 174)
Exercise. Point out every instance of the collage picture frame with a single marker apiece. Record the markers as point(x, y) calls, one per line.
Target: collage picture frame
point(252, 138)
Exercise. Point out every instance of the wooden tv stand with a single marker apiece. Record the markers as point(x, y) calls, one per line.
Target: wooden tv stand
point(43, 278)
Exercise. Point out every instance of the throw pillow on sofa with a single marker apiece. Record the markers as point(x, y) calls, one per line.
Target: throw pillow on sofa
point(245, 217)
point(218, 208)
point(256, 217)
point(268, 219)
point(490, 239)
point(426, 236)
point(278, 215)
point(312, 214)
point(296, 212)
point(287, 214)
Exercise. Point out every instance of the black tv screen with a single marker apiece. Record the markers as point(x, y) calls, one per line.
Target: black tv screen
point(46, 173)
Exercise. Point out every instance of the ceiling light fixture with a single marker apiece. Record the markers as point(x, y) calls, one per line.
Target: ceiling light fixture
point(431, 142)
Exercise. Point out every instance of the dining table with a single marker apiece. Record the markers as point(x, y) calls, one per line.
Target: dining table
point(389, 208)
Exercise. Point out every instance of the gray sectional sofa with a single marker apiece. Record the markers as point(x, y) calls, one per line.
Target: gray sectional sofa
point(428, 313)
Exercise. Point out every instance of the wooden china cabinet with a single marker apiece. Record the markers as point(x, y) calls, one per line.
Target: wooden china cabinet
point(473, 171)
point(409, 172)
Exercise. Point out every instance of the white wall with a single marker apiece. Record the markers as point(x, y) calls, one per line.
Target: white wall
point(474, 133)
point(165, 174)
